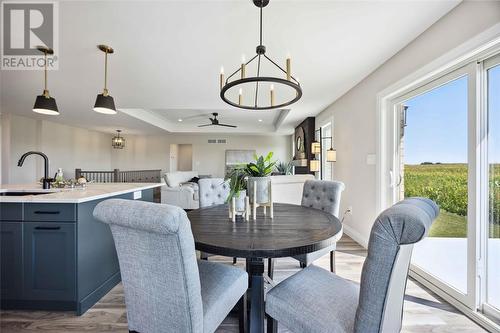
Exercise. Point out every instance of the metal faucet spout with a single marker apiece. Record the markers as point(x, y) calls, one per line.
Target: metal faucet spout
point(46, 182)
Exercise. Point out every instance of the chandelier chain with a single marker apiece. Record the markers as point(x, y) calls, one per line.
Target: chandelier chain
point(261, 25)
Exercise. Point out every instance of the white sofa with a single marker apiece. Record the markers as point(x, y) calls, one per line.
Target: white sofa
point(178, 192)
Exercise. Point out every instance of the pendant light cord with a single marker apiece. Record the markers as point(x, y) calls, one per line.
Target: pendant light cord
point(45, 72)
point(106, 73)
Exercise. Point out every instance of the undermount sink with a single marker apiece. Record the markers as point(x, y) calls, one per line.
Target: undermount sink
point(24, 193)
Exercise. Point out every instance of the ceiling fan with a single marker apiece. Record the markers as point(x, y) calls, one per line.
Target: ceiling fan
point(215, 122)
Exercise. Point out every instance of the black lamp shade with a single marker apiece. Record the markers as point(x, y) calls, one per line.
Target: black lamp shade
point(45, 105)
point(105, 104)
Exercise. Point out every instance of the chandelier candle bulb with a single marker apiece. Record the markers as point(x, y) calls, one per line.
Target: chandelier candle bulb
point(242, 71)
point(243, 66)
point(240, 96)
point(288, 68)
point(271, 90)
point(221, 77)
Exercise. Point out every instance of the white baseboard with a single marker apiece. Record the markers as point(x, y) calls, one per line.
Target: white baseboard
point(356, 236)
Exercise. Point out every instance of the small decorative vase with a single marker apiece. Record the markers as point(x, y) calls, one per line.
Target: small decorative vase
point(262, 189)
point(239, 202)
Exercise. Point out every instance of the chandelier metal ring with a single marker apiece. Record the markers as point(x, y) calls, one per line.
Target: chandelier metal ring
point(290, 81)
point(275, 80)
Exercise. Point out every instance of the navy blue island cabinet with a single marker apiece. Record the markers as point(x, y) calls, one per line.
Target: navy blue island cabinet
point(56, 256)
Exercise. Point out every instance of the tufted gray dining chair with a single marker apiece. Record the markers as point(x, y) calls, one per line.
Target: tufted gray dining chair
point(323, 195)
point(317, 301)
point(213, 191)
point(166, 288)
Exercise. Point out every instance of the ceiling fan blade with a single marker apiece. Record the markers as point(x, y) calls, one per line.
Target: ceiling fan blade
point(225, 125)
point(205, 125)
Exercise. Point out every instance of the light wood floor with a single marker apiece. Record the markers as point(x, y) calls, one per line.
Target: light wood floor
point(423, 312)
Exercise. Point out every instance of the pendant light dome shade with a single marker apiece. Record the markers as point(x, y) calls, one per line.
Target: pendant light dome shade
point(44, 104)
point(104, 104)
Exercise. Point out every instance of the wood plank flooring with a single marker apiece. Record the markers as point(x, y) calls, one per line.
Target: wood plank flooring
point(423, 311)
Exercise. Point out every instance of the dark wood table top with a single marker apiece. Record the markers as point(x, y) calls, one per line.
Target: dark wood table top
point(294, 230)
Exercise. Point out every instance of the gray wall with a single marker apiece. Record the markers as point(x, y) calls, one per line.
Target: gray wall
point(67, 147)
point(208, 158)
point(71, 147)
point(185, 157)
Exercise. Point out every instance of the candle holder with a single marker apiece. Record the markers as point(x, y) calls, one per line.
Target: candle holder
point(236, 209)
point(256, 204)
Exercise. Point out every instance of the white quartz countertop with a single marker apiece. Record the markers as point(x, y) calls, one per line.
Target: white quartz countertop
point(92, 191)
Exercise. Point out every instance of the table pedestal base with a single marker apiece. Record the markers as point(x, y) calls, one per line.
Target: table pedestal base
point(256, 271)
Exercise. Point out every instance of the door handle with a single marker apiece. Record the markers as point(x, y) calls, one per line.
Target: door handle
point(400, 180)
point(47, 228)
point(49, 212)
point(393, 183)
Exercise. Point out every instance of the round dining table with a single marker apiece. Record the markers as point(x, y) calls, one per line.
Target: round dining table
point(292, 231)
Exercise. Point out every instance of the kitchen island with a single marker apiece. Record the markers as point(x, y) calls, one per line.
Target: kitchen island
point(54, 254)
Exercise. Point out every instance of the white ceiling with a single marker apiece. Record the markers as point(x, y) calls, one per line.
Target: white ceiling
point(169, 53)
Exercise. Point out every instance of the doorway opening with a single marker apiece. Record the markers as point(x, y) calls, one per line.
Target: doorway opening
point(181, 157)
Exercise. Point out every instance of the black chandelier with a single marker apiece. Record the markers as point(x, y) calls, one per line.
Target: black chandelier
point(259, 103)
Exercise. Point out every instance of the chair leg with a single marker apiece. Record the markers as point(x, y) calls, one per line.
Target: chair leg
point(235, 260)
point(332, 261)
point(302, 264)
point(203, 256)
point(242, 314)
point(272, 325)
point(270, 267)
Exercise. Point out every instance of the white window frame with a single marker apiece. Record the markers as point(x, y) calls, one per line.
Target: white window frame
point(325, 147)
point(484, 232)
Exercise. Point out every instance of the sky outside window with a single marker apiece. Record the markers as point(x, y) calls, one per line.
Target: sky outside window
point(437, 125)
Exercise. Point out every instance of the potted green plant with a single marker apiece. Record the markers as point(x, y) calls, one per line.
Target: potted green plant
point(258, 174)
point(284, 168)
point(237, 187)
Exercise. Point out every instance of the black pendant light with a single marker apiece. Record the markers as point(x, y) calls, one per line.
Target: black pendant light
point(45, 104)
point(104, 103)
point(255, 103)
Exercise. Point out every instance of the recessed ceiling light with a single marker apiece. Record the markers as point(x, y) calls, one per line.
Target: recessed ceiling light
point(260, 120)
point(180, 119)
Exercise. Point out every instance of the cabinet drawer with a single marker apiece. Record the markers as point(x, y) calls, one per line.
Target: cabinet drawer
point(49, 212)
point(11, 211)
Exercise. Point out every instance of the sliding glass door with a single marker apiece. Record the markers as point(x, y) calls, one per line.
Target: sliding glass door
point(491, 304)
point(446, 146)
point(434, 162)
